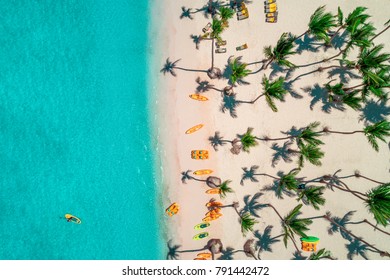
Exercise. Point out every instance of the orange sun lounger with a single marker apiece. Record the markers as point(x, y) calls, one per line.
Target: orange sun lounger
point(172, 209)
point(199, 154)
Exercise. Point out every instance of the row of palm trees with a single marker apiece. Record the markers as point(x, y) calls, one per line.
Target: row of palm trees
point(307, 140)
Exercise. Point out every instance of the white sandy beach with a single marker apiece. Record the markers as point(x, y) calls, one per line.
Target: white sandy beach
point(176, 112)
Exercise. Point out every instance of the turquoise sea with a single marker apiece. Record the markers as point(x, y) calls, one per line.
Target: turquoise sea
point(75, 131)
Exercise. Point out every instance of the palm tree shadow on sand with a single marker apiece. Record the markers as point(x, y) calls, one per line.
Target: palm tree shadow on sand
point(252, 205)
point(320, 94)
point(229, 103)
point(357, 248)
point(274, 187)
point(281, 152)
point(308, 44)
point(264, 240)
point(227, 254)
point(374, 111)
point(345, 75)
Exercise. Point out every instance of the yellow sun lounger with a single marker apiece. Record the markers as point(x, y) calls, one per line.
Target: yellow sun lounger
point(269, 2)
point(272, 5)
point(271, 20)
point(271, 10)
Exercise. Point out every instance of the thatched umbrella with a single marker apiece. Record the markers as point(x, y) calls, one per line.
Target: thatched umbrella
point(214, 73)
point(228, 90)
point(250, 248)
point(215, 246)
point(237, 146)
point(213, 182)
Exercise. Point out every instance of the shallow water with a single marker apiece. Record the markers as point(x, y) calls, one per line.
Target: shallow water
point(74, 131)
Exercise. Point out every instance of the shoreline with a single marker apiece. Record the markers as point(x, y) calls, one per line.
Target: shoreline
point(184, 113)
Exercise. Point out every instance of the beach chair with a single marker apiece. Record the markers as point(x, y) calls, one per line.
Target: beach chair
point(269, 15)
point(243, 12)
point(270, 10)
point(242, 47)
point(269, 2)
point(220, 50)
point(271, 20)
point(220, 43)
point(241, 17)
point(270, 6)
point(207, 28)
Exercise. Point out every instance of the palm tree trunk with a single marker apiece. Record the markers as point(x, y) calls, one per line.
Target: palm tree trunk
point(212, 53)
point(369, 179)
point(251, 102)
point(267, 175)
point(196, 179)
point(190, 70)
point(293, 241)
point(347, 89)
point(344, 132)
point(275, 139)
point(367, 222)
point(334, 35)
point(382, 253)
point(319, 69)
point(303, 34)
point(384, 30)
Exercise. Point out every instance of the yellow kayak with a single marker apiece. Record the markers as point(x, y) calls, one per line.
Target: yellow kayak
point(204, 255)
point(201, 235)
point(203, 172)
point(198, 97)
point(213, 191)
point(194, 129)
point(72, 219)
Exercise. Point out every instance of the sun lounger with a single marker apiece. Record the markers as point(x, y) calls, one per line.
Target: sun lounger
point(220, 50)
point(220, 43)
point(241, 17)
point(243, 12)
point(270, 6)
point(269, 15)
point(271, 10)
point(271, 20)
point(242, 47)
point(207, 28)
point(269, 2)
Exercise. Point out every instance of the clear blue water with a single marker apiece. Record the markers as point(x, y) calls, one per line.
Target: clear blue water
point(74, 131)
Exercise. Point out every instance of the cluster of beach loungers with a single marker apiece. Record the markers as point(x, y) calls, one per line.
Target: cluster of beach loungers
point(271, 11)
point(242, 12)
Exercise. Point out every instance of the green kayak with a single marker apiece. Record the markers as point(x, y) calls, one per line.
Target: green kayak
point(201, 226)
point(200, 235)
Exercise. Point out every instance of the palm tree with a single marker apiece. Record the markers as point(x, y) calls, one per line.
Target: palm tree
point(355, 18)
point(312, 196)
point(292, 225)
point(217, 29)
point(281, 52)
point(378, 203)
point(309, 136)
point(310, 153)
point(319, 25)
point(225, 189)
point(225, 14)
point(379, 130)
point(238, 70)
point(248, 140)
point(271, 90)
point(321, 254)
point(338, 94)
point(288, 181)
point(247, 223)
